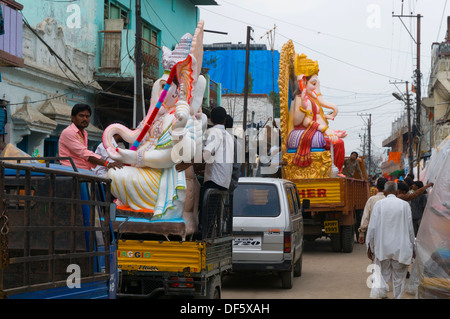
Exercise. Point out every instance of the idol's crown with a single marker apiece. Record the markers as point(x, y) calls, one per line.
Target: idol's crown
point(305, 66)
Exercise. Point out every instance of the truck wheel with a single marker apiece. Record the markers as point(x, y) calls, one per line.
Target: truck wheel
point(336, 242)
point(347, 238)
point(213, 288)
point(298, 267)
point(214, 293)
point(287, 278)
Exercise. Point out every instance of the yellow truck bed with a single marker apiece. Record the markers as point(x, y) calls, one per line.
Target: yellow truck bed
point(340, 194)
point(173, 256)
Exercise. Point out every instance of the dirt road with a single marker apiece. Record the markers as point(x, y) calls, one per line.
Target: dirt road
point(325, 275)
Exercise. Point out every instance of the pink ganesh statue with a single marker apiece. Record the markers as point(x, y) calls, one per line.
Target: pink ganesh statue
point(307, 137)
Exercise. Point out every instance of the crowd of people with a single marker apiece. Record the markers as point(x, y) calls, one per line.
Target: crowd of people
point(389, 225)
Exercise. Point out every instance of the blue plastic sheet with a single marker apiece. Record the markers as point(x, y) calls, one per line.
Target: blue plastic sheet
point(228, 68)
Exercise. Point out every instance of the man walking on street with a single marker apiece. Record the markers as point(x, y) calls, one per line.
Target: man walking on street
point(417, 206)
point(390, 242)
point(368, 209)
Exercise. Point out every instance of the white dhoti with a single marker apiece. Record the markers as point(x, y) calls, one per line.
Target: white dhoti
point(385, 271)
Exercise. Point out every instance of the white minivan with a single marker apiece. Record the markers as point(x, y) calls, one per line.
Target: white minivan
point(267, 228)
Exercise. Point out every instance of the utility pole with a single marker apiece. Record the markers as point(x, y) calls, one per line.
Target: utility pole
point(139, 103)
point(418, 77)
point(410, 142)
point(271, 39)
point(244, 120)
point(369, 140)
point(418, 94)
point(247, 62)
point(363, 146)
point(408, 109)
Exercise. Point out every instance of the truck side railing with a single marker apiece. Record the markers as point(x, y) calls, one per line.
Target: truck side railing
point(216, 217)
point(47, 160)
point(50, 219)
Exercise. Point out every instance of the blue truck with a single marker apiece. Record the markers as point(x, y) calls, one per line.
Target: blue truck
point(56, 239)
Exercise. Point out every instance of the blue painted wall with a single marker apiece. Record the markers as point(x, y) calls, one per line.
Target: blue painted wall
point(172, 18)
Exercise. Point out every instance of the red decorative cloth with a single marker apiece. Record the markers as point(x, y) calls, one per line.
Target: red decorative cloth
point(303, 156)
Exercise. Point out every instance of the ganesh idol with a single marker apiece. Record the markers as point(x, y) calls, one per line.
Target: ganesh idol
point(150, 182)
point(309, 117)
point(309, 142)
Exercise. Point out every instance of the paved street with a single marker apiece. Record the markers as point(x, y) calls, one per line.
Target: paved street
point(325, 275)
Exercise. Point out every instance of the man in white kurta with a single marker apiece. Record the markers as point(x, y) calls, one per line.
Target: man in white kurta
point(390, 242)
point(368, 208)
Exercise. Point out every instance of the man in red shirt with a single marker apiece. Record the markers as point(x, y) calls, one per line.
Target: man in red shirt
point(73, 142)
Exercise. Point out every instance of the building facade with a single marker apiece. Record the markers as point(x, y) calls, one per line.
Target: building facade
point(437, 105)
point(259, 110)
point(434, 122)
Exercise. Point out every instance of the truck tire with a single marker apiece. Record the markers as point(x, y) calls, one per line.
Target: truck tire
point(336, 243)
point(287, 278)
point(298, 267)
point(347, 238)
point(213, 288)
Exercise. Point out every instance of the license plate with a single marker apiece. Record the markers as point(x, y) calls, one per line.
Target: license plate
point(331, 226)
point(250, 242)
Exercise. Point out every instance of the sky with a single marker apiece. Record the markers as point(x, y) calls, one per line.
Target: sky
point(364, 53)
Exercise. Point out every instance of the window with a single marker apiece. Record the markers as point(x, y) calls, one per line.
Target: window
point(114, 11)
point(51, 146)
point(23, 145)
point(149, 33)
point(256, 200)
point(296, 198)
point(150, 50)
point(290, 200)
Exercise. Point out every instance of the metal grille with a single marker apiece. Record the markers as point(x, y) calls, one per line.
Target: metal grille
point(55, 218)
point(217, 219)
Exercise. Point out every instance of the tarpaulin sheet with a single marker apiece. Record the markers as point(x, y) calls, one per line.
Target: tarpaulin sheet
point(228, 68)
point(431, 270)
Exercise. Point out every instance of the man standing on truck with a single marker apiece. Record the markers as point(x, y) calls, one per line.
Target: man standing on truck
point(351, 165)
point(74, 142)
point(390, 242)
point(236, 173)
point(218, 152)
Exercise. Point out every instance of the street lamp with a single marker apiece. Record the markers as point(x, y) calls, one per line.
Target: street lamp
point(398, 96)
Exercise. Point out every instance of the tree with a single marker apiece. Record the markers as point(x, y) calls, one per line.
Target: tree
point(275, 97)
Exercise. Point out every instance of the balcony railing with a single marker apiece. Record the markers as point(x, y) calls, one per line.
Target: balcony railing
point(150, 54)
point(11, 41)
point(111, 58)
